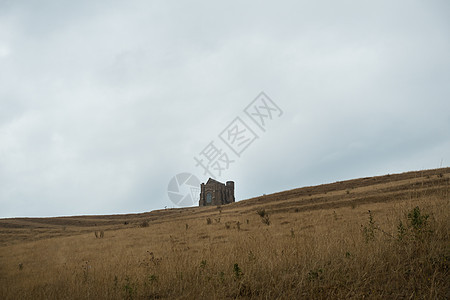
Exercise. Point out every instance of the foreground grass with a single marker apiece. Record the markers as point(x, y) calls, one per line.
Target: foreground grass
point(341, 253)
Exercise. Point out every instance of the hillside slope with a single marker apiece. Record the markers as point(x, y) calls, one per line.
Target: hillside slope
point(339, 194)
point(384, 237)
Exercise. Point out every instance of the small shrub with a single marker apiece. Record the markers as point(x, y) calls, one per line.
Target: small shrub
point(203, 264)
point(401, 231)
point(99, 234)
point(128, 289)
point(315, 275)
point(369, 230)
point(264, 216)
point(222, 277)
point(237, 271)
point(266, 220)
point(116, 281)
point(208, 221)
point(153, 278)
point(417, 220)
point(145, 224)
point(418, 223)
point(261, 212)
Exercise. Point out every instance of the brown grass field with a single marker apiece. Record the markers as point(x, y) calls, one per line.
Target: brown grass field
point(310, 243)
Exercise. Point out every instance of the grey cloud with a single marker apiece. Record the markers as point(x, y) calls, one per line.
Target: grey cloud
point(101, 104)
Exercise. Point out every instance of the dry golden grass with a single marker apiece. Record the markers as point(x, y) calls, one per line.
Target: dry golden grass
point(320, 244)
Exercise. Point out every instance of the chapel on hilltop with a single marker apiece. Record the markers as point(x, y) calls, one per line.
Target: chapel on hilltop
point(216, 193)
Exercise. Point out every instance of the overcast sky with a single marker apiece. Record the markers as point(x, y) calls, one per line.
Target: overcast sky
point(103, 102)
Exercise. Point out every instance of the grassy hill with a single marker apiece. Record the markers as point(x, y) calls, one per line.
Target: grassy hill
point(379, 237)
